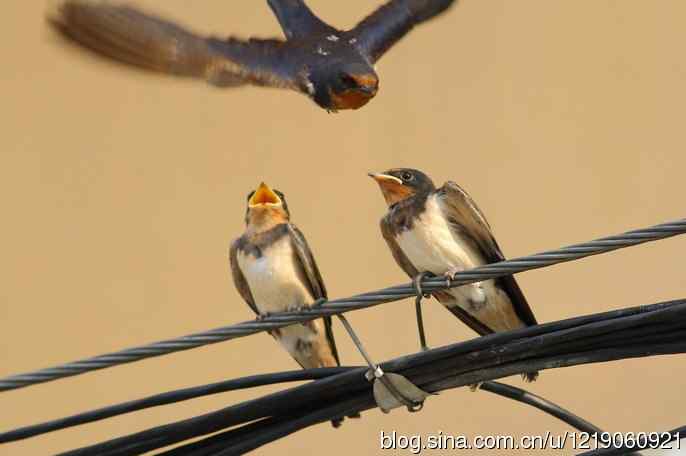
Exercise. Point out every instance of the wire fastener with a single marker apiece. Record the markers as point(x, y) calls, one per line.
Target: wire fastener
point(390, 390)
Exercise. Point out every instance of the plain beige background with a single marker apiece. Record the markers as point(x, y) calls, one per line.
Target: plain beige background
point(121, 191)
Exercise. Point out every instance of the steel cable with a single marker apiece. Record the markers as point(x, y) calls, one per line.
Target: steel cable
point(337, 306)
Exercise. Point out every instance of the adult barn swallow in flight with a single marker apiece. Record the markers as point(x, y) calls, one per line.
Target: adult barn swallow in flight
point(442, 231)
point(333, 67)
point(274, 271)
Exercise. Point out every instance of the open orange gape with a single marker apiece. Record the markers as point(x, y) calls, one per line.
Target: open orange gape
point(264, 196)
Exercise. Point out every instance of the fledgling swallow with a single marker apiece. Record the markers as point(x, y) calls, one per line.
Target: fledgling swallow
point(442, 231)
point(333, 67)
point(274, 271)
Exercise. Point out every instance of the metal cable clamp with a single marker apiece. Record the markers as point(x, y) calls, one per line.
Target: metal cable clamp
point(390, 390)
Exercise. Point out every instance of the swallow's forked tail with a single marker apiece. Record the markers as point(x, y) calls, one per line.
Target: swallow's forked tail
point(478, 326)
point(530, 376)
point(130, 36)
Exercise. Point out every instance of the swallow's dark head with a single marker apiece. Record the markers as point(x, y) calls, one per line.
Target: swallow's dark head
point(266, 207)
point(345, 86)
point(399, 184)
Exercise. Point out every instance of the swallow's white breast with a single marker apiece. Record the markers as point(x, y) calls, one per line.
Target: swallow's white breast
point(275, 281)
point(431, 245)
point(277, 285)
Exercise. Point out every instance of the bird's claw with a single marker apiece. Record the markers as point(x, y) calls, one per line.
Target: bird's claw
point(475, 386)
point(261, 316)
point(318, 303)
point(450, 274)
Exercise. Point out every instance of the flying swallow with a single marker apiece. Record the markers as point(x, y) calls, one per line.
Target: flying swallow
point(442, 231)
point(274, 271)
point(333, 67)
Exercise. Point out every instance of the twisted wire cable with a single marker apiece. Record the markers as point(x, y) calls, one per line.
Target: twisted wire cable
point(338, 306)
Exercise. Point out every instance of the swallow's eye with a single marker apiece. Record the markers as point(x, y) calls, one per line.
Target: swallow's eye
point(348, 80)
point(407, 176)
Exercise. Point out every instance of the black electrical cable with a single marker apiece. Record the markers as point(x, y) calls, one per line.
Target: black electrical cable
point(637, 332)
point(168, 397)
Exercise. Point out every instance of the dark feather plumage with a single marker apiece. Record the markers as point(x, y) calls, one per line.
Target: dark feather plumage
point(333, 67)
point(125, 34)
point(379, 31)
point(465, 213)
point(314, 278)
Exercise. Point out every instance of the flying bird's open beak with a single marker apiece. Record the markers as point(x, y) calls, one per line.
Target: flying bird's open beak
point(264, 196)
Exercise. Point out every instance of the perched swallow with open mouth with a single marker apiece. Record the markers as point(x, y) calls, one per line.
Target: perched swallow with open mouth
point(442, 231)
point(274, 271)
point(333, 67)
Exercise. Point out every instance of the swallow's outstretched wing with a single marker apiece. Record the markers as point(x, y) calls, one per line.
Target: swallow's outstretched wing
point(127, 35)
point(238, 277)
point(466, 217)
point(388, 24)
point(297, 20)
point(313, 278)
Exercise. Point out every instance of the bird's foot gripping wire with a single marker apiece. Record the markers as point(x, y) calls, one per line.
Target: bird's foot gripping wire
point(318, 303)
point(417, 282)
point(261, 316)
point(451, 273)
point(475, 386)
point(390, 390)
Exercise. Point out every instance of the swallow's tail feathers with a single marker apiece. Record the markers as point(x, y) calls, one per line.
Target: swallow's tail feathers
point(379, 31)
point(530, 376)
point(450, 304)
point(127, 35)
point(297, 20)
point(136, 38)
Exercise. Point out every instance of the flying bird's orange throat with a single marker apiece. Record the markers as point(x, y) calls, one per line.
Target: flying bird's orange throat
point(265, 209)
point(354, 98)
point(392, 188)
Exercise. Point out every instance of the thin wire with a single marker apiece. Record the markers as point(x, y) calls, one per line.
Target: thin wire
point(540, 403)
point(376, 372)
point(338, 306)
point(185, 394)
point(169, 397)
